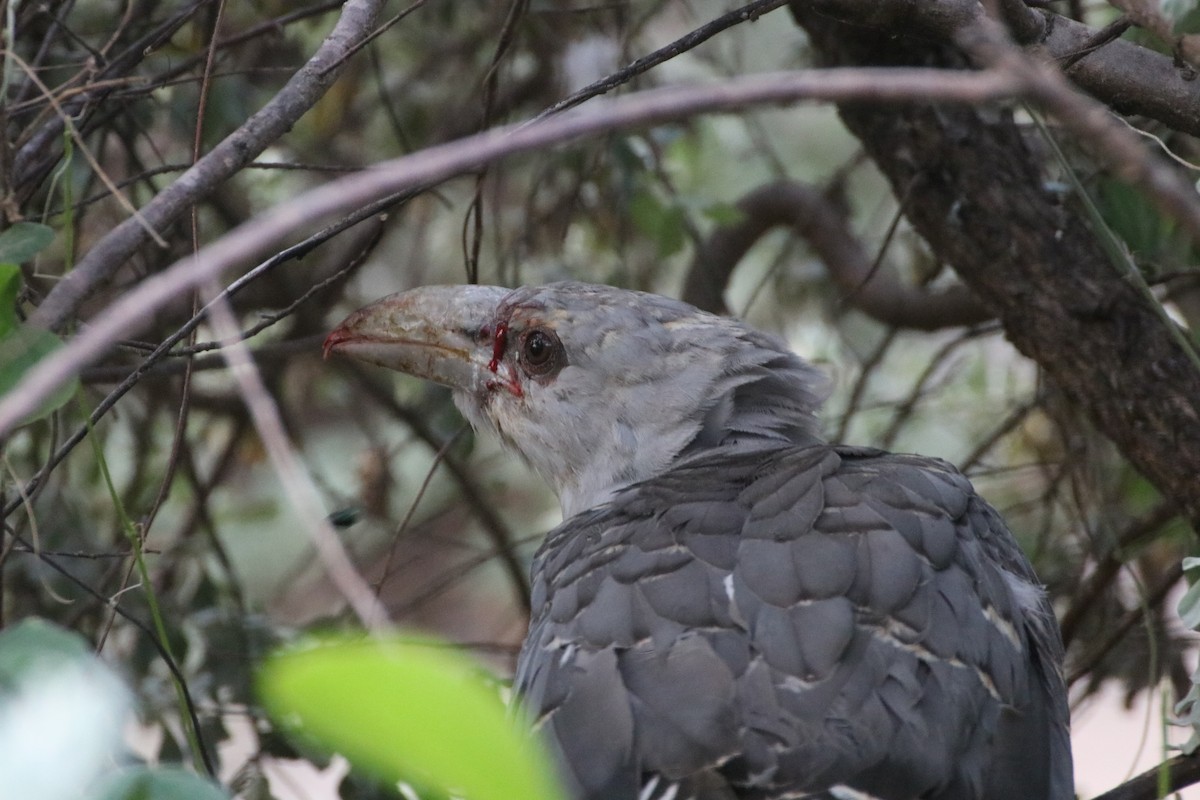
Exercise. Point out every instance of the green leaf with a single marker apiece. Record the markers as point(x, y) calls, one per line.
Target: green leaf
point(145, 783)
point(10, 285)
point(31, 645)
point(23, 241)
point(20, 350)
point(407, 710)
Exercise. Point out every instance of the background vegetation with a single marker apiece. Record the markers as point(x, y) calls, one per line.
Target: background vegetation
point(995, 266)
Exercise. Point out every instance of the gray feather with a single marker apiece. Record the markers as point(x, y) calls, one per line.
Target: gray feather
point(855, 649)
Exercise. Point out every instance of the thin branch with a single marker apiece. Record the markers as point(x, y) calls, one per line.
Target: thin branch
point(1132, 79)
point(494, 528)
point(859, 390)
point(298, 485)
point(129, 377)
point(874, 289)
point(228, 157)
point(750, 11)
point(1117, 631)
point(981, 202)
point(135, 215)
point(31, 157)
point(1085, 597)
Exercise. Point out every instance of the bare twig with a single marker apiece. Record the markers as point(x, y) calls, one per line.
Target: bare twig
point(152, 637)
point(859, 390)
point(1117, 631)
point(981, 203)
point(297, 483)
point(402, 528)
point(1106, 35)
point(1086, 596)
point(750, 11)
point(31, 153)
point(225, 159)
point(1092, 122)
point(879, 293)
point(504, 545)
point(100, 172)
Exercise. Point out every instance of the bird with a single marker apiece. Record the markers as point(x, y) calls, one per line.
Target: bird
point(733, 606)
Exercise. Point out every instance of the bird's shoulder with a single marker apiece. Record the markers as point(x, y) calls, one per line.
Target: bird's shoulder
point(708, 505)
point(799, 550)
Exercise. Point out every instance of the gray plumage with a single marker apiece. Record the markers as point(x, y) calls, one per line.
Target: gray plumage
point(734, 608)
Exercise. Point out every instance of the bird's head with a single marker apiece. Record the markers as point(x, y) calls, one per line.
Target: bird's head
point(596, 387)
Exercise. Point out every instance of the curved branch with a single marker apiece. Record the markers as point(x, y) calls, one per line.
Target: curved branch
point(228, 157)
point(878, 293)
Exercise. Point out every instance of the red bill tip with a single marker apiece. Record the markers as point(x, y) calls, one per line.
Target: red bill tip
point(335, 338)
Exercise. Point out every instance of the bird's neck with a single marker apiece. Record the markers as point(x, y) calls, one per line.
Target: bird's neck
point(771, 405)
point(774, 403)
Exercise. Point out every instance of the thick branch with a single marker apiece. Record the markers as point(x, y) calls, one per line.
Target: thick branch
point(877, 292)
point(977, 195)
point(1128, 77)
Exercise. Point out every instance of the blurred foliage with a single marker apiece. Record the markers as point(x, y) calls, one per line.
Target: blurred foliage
point(396, 707)
point(22, 346)
point(420, 510)
point(62, 711)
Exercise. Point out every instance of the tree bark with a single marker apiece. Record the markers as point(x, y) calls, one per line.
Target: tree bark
point(975, 191)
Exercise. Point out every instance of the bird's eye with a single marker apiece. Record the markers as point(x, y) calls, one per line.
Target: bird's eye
point(541, 352)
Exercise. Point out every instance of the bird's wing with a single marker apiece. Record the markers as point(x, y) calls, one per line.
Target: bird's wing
point(771, 623)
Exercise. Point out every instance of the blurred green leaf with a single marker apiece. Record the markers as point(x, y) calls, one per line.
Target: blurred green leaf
point(723, 213)
point(1182, 13)
point(144, 783)
point(23, 241)
point(1149, 235)
point(407, 710)
point(662, 222)
point(62, 710)
point(20, 350)
point(10, 285)
point(30, 645)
